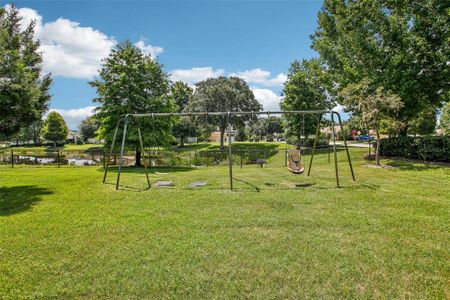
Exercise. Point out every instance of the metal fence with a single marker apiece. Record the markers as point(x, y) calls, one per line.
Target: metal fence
point(153, 157)
point(58, 158)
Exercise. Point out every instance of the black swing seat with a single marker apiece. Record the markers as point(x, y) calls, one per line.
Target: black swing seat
point(261, 162)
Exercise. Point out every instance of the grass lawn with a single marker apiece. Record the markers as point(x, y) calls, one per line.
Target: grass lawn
point(64, 234)
point(67, 147)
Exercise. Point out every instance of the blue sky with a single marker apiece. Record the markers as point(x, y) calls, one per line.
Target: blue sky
point(256, 40)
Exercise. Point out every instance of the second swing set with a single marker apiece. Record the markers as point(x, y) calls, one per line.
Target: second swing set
point(295, 164)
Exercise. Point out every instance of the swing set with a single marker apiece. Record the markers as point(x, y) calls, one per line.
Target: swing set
point(294, 156)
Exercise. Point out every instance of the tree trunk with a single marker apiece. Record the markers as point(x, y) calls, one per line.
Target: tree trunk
point(138, 159)
point(403, 131)
point(181, 142)
point(222, 136)
point(377, 151)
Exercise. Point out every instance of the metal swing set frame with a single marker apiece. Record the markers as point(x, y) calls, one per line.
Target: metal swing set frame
point(228, 114)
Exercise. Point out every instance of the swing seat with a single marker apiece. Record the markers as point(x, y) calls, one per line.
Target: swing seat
point(261, 162)
point(295, 165)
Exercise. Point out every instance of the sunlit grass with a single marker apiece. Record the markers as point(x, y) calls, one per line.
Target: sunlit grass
point(64, 234)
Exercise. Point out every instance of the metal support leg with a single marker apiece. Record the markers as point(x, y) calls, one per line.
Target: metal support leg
point(111, 151)
point(143, 155)
point(334, 150)
point(230, 158)
point(346, 147)
point(121, 151)
point(314, 145)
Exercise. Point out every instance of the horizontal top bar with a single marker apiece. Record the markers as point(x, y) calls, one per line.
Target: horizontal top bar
point(225, 113)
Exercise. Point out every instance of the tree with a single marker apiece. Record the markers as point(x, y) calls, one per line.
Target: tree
point(24, 90)
point(305, 89)
point(88, 128)
point(241, 134)
point(224, 94)
point(373, 104)
point(184, 128)
point(31, 132)
point(424, 123)
point(131, 82)
point(256, 129)
point(182, 94)
point(271, 126)
point(353, 123)
point(55, 128)
point(400, 46)
point(445, 119)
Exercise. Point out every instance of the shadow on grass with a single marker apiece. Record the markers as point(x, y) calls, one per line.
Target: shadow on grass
point(17, 199)
point(125, 187)
point(405, 165)
point(248, 183)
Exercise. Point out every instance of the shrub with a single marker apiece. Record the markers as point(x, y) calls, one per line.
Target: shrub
point(429, 148)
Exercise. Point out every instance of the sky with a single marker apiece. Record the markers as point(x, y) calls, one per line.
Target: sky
point(193, 40)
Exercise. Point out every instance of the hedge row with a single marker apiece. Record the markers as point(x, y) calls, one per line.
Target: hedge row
point(428, 148)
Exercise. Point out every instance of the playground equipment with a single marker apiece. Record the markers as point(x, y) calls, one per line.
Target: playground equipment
point(229, 114)
point(295, 161)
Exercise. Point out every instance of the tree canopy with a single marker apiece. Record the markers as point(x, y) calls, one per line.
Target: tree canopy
point(182, 94)
point(24, 90)
point(373, 105)
point(445, 119)
point(402, 46)
point(224, 94)
point(306, 88)
point(55, 128)
point(131, 82)
point(88, 128)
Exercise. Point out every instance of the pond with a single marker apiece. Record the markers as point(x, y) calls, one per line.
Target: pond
point(73, 160)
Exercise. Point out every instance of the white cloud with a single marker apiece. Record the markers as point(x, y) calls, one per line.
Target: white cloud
point(73, 117)
point(268, 99)
point(71, 50)
point(196, 74)
point(255, 76)
point(261, 77)
point(339, 108)
point(154, 51)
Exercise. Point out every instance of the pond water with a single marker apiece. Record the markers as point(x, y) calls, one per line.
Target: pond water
point(64, 160)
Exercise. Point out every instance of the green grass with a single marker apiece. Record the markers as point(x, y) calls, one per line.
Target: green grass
point(64, 234)
point(67, 147)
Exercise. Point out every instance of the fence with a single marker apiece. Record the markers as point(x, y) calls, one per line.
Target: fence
point(51, 157)
point(154, 157)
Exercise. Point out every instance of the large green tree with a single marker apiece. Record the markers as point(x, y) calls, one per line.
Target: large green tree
point(88, 128)
point(131, 82)
point(24, 89)
point(32, 132)
point(182, 94)
point(307, 88)
point(55, 128)
point(272, 125)
point(401, 46)
point(224, 94)
point(424, 123)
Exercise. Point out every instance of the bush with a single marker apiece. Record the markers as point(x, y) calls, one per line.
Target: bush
point(429, 148)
